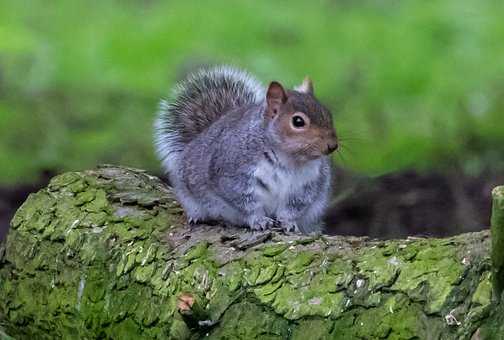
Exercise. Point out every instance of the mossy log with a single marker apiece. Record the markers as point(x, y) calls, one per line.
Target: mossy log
point(106, 254)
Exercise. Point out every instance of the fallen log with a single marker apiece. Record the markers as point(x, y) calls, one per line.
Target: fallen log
point(106, 253)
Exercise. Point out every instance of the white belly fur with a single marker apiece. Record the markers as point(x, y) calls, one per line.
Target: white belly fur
point(282, 184)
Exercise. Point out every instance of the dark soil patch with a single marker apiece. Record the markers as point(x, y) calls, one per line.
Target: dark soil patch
point(412, 203)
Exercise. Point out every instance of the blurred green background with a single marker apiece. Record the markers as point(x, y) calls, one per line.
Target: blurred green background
point(412, 84)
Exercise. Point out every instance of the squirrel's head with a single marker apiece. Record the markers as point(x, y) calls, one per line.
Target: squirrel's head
point(301, 125)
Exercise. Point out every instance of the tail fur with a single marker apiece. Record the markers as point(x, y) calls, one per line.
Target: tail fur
point(197, 102)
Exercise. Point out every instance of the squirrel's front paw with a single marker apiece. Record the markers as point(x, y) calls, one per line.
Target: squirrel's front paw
point(262, 223)
point(288, 225)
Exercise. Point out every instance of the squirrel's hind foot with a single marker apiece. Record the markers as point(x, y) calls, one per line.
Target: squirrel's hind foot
point(263, 223)
point(267, 223)
point(288, 226)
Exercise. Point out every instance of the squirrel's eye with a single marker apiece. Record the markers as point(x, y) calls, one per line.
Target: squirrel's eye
point(298, 121)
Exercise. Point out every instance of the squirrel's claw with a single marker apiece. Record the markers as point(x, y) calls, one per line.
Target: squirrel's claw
point(263, 223)
point(192, 220)
point(267, 223)
point(289, 226)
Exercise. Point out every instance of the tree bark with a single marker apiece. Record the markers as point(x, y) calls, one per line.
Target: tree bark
point(106, 254)
point(494, 326)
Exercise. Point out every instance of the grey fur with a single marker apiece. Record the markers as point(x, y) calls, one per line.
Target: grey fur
point(220, 155)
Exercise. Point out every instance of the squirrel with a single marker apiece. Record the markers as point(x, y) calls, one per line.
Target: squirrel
point(246, 155)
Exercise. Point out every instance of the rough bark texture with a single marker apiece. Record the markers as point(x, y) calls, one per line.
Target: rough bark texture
point(498, 239)
point(494, 326)
point(106, 253)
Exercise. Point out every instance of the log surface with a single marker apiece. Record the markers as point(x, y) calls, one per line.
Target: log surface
point(106, 254)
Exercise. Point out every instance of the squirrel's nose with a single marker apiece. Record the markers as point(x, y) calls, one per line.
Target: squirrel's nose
point(331, 147)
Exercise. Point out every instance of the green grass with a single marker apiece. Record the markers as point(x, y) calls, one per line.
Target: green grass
point(411, 83)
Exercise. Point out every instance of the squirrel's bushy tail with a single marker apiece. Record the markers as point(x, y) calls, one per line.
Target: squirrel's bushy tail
point(199, 101)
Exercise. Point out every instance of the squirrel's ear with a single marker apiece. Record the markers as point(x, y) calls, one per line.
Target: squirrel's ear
point(275, 97)
point(306, 86)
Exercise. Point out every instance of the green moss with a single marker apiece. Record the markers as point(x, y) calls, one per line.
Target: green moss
point(398, 319)
point(198, 251)
point(431, 275)
point(493, 328)
point(265, 292)
point(266, 273)
point(4, 336)
point(145, 273)
point(342, 271)
point(179, 330)
point(64, 181)
point(249, 321)
point(295, 303)
point(126, 329)
point(300, 261)
point(78, 218)
point(274, 249)
point(483, 294)
point(313, 329)
point(380, 270)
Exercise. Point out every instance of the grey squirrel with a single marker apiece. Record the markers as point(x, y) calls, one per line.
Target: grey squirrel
point(237, 152)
